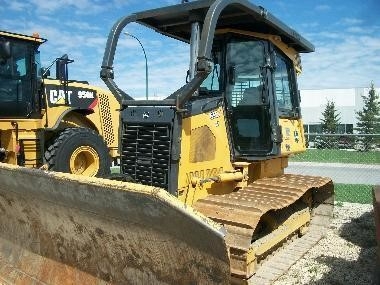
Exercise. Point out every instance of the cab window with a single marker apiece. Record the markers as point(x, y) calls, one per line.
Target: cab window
point(285, 87)
point(15, 83)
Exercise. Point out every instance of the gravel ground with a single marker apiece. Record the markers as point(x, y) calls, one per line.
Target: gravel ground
point(347, 255)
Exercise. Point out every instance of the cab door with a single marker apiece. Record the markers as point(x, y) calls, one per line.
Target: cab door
point(250, 100)
point(15, 82)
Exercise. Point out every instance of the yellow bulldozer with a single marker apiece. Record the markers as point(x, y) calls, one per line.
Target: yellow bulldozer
point(204, 198)
point(60, 124)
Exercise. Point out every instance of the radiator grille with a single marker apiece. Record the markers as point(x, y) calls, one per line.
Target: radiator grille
point(146, 153)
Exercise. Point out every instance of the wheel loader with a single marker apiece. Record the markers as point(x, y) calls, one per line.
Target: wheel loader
point(60, 124)
point(202, 196)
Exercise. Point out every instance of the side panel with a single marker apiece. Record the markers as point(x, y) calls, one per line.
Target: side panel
point(75, 95)
point(205, 152)
point(57, 225)
point(293, 136)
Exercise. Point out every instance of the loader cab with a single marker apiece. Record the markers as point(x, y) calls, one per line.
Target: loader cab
point(258, 83)
point(19, 74)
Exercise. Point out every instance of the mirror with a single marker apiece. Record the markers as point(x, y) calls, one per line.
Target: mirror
point(61, 68)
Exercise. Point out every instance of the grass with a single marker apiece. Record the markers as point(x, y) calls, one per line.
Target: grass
point(353, 193)
point(337, 155)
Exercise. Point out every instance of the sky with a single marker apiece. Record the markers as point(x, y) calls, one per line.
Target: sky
point(346, 36)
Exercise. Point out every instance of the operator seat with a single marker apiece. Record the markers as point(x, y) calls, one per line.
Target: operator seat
point(252, 96)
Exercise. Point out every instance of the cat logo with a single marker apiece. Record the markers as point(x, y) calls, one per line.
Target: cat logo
point(58, 96)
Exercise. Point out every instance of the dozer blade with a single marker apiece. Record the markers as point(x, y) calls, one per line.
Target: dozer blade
point(64, 229)
point(262, 218)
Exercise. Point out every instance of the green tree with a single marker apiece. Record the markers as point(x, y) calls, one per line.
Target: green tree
point(369, 120)
point(329, 122)
point(331, 118)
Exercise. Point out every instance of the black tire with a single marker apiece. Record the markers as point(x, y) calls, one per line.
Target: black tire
point(73, 143)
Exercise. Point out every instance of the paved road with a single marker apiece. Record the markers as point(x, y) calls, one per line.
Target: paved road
point(339, 172)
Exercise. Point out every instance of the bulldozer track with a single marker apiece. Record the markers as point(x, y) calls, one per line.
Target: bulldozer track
point(240, 213)
point(279, 263)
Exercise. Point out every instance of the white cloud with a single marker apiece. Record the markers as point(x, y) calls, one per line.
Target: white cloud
point(351, 21)
point(47, 6)
point(82, 26)
point(15, 5)
point(322, 7)
point(325, 35)
point(351, 62)
point(310, 25)
point(357, 30)
point(81, 7)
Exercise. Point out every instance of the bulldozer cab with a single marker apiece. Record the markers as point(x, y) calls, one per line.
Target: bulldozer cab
point(244, 84)
point(243, 61)
point(19, 69)
point(259, 85)
point(240, 54)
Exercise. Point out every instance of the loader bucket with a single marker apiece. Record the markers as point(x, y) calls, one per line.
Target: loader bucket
point(59, 228)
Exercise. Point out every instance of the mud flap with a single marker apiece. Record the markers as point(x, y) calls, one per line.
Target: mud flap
point(64, 229)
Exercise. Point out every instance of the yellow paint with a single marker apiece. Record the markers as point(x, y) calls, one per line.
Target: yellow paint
point(293, 138)
point(267, 168)
point(22, 37)
point(190, 171)
point(84, 161)
point(24, 130)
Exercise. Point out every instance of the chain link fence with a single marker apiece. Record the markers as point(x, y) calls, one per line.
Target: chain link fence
point(351, 160)
point(360, 142)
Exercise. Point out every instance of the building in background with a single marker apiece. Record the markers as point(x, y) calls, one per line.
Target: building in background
point(347, 102)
